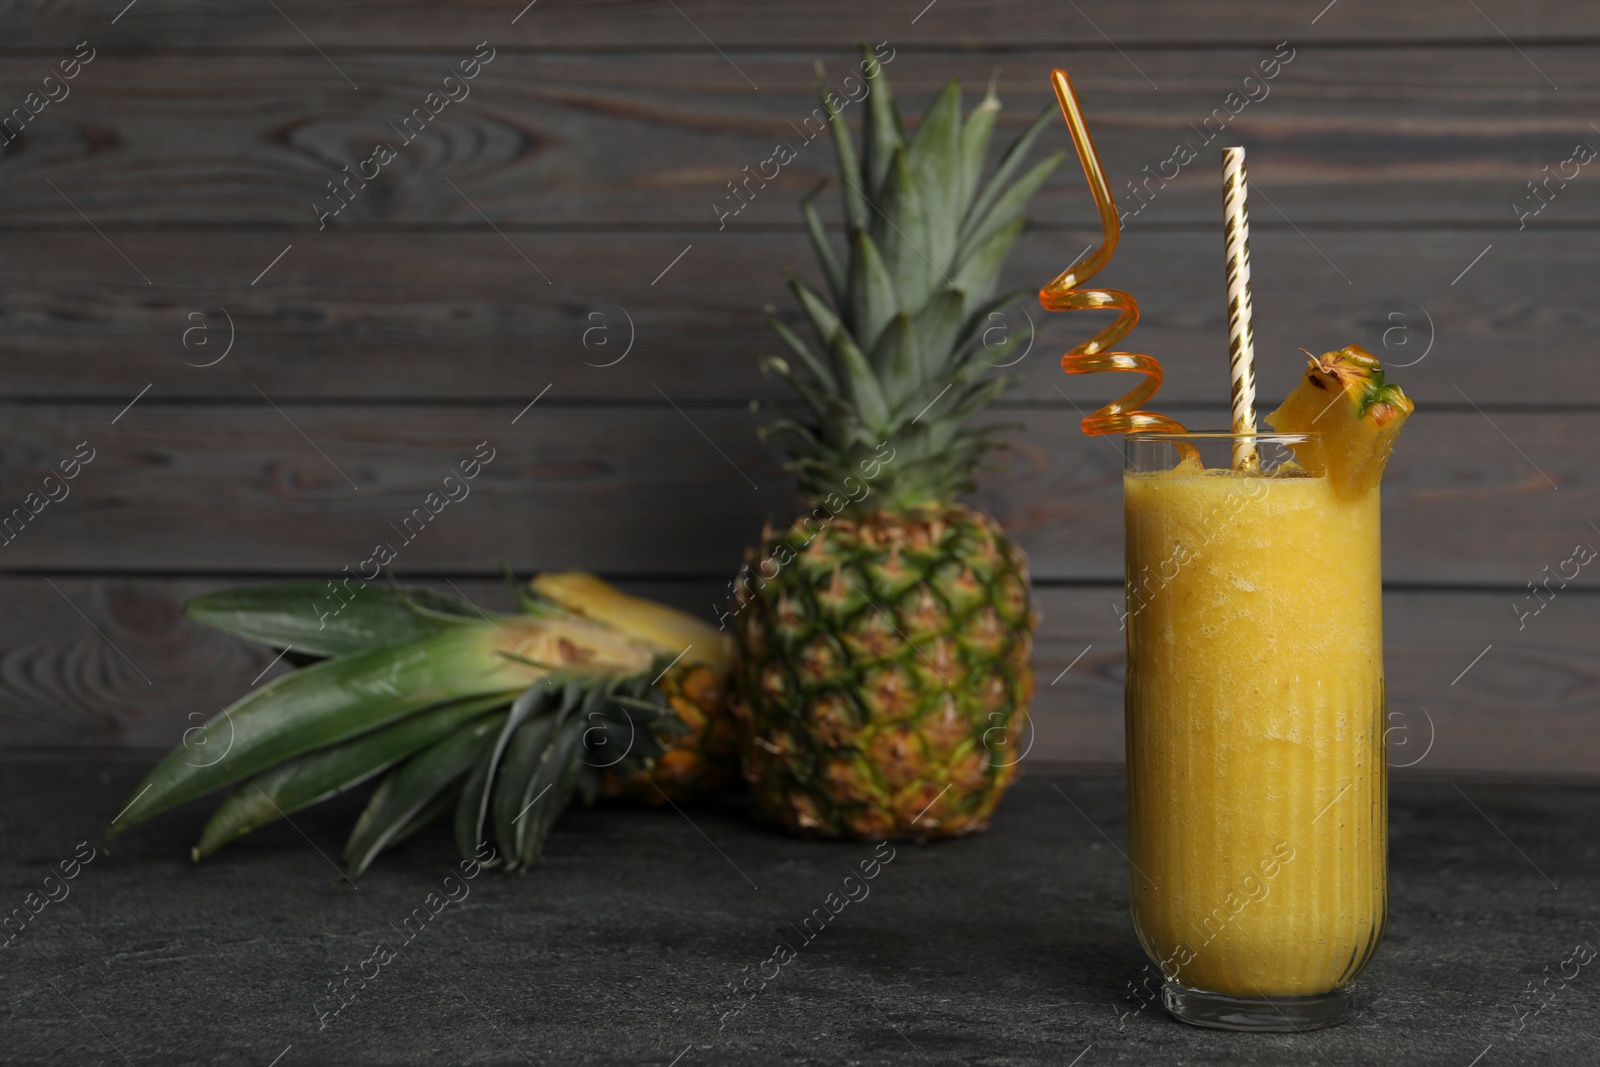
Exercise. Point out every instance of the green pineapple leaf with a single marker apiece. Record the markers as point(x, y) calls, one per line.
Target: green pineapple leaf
point(978, 397)
point(906, 241)
point(895, 361)
point(972, 344)
point(823, 319)
point(436, 809)
point(810, 360)
point(542, 766)
point(821, 402)
point(852, 182)
point(411, 789)
point(822, 247)
point(933, 161)
point(1009, 207)
point(530, 746)
point(862, 389)
point(325, 704)
point(872, 300)
point(1013, 158)
point(312, 618)
point(937, 326)
point(881, 133)
point(316, 776)
point(473, 809)
point(979, 274)
point(975, 137)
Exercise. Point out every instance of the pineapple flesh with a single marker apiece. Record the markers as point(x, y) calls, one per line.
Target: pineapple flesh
point(1353, 415)
point(884, 636)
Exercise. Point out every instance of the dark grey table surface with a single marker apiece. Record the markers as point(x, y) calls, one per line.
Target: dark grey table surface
point(625, 945)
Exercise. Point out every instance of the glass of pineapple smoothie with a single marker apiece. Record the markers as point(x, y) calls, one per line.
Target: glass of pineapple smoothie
point(1257, 781)
point(1257, 798)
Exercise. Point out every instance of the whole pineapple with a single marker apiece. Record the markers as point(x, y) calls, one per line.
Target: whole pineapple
point(883, 678)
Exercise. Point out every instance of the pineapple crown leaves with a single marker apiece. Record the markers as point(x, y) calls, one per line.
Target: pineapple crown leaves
point(415, 689)
point(559, 738)
point(898, 354)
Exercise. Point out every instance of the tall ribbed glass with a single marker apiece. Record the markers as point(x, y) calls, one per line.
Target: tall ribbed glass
point(1257, 783)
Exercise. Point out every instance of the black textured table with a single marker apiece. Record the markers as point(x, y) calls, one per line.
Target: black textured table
point(627, 944)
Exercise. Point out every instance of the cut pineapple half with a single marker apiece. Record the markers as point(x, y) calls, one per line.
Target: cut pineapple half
point(1353, 413)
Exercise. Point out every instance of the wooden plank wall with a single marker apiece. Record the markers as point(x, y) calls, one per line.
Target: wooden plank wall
point(564, 213)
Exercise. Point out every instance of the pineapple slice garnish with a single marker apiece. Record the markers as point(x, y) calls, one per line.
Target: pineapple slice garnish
point(1353, 412)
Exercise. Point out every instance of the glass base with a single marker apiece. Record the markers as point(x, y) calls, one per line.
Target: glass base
point(1221, 1011)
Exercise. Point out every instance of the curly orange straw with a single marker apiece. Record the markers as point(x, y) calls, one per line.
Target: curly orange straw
point(1063, 294)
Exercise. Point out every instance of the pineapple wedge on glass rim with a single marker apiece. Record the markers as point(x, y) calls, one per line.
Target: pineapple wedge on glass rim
point(1352, 415)
point(884, 637)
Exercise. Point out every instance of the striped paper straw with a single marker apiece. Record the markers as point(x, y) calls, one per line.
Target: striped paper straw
point(1241, 333)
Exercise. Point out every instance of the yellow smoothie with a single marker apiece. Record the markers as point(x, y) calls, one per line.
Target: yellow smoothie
point(1257, 786)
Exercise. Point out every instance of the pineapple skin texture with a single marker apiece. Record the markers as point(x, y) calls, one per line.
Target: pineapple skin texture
point(697, 763)
point(883, 684)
